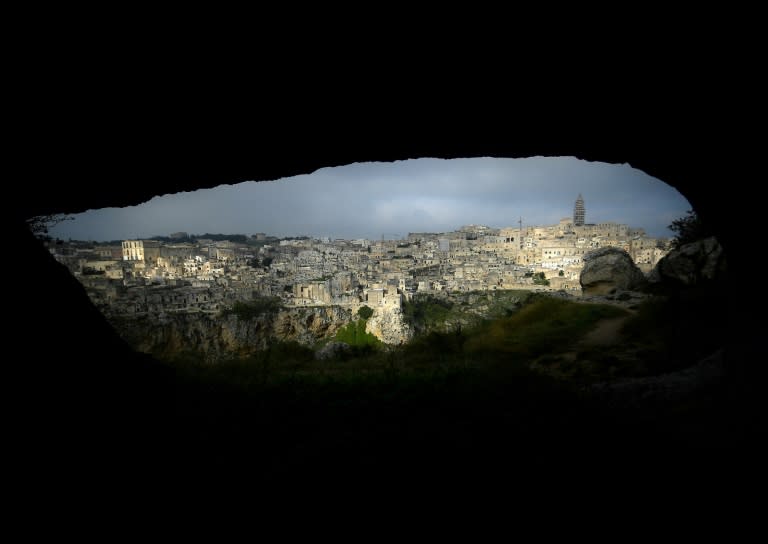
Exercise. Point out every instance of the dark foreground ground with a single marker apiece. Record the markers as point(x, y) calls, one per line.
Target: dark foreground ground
point(452, 410)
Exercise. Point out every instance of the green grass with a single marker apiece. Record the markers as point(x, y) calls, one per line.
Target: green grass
point(354, 334)
point(546, 326)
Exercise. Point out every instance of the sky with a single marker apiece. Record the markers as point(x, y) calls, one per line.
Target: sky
point(391, 199)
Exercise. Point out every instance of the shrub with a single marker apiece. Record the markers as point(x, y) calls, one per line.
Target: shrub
point(254, 308)
point(354, 334)
point(365, 312)
point(689, 229)
point(539, 279)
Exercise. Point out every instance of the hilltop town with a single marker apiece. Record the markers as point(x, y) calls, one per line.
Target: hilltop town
point(208, 274)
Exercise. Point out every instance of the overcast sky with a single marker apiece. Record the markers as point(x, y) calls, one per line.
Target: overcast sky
point(366, 200)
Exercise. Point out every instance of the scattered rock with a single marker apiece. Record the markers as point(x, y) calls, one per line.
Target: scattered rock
point(608, 269)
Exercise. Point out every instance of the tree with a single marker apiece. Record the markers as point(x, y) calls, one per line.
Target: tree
point(688, 229)
point(561, 273)
point(365, 312)
point(41, 224)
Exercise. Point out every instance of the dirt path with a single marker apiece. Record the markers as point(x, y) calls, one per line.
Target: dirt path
point(606, 333)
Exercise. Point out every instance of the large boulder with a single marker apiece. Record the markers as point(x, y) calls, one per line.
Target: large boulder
point(691, 264)
point(607, 269)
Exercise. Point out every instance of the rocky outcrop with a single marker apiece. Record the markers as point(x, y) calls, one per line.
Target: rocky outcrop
point(308, 325)
point(387, 324)
point(608, 269)
point(214, 338)
point(691, 264)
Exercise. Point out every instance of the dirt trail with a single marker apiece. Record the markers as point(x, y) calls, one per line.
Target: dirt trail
point(606, 333)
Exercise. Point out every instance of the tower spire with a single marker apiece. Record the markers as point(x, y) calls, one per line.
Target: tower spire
point(579, 212)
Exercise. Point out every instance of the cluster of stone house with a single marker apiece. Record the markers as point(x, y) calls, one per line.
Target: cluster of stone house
point(205, 275)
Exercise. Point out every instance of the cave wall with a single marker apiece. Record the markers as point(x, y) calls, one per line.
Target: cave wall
point(83, 391)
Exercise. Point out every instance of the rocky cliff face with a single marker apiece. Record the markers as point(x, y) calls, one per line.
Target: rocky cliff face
point(387, 325)
point(607, 269)
point(214, 338)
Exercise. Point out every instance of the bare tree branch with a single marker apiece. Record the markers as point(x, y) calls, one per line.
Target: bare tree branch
point(41, 224)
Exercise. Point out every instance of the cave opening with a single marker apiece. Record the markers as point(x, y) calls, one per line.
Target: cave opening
point(326, 416)
point(464, 247)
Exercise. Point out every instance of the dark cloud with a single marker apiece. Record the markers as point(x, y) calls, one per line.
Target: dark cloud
point(370, 199)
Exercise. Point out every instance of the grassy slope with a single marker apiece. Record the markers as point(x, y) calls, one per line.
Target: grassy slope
point(444, 400)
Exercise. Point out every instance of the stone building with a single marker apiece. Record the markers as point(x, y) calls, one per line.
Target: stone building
point(141, 250)
point(315, 292)
point(109, 252)
point(383, 297)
